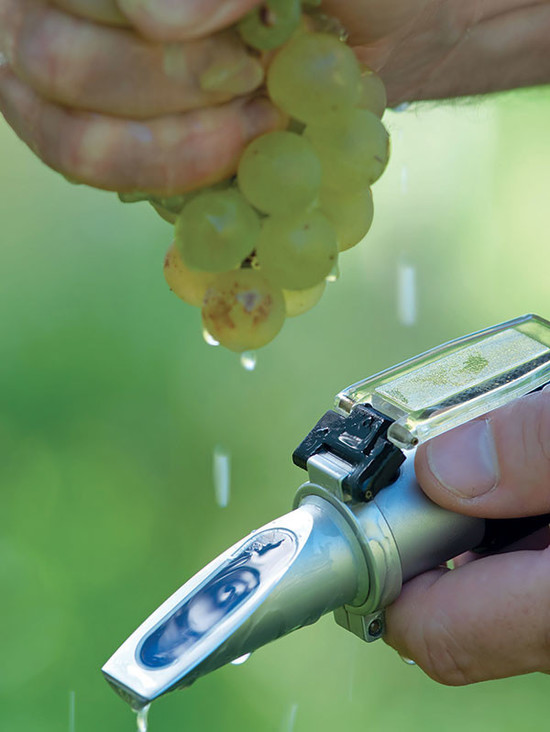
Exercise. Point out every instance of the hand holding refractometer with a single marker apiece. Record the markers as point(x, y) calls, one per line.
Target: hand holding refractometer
point(361, 526)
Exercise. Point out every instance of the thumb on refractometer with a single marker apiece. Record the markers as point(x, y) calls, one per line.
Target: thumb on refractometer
point(496, 466)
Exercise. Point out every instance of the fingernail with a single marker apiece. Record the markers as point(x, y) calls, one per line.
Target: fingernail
point(262, 116)
point(244, 75)
point(464, 460)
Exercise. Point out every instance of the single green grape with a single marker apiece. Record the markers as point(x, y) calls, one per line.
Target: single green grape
point(188, 284)
point(351, 215)
point(280, 172)
point(314, 75)
point(298, 251)
point(354, 149)
point(271, 24)
point(216, 231)
point(372, 95)
point(298, 302)
point(243, 310)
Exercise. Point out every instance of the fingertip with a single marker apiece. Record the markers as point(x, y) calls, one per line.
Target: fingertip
point(403, 615)
point(460, 626)
point(177, 20)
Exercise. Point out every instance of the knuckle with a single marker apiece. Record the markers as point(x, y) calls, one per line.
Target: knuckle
point(36, 47)
point(443, 658)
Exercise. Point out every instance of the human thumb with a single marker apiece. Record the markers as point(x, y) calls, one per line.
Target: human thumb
point(496, 466)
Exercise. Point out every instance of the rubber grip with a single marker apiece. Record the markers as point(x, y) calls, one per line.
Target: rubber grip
point(500, 533)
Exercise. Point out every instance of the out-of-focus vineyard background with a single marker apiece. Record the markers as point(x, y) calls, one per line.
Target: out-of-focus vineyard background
point(112, 405)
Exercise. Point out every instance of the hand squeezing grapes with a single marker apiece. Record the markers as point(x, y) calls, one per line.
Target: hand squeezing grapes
point(164, 96)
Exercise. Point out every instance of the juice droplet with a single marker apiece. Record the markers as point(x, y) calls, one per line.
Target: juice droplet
point(142, 715)
point(290, 722)
point(249, 359)
point(222, 476)
point(71, 711)
point(241, 660)
point(404, 179)
point(406, 294)
point(334, 275)
point(208, 338)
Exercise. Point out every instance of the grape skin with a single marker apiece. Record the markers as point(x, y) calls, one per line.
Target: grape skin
point(298, 251)
point(243, 310)
point(189, 285)
point(372, 95)
point(271, 24)
point(279, 173)
point(298, 302)
point(353, 149)
point(216, 231)
point(314, 75)
point(350, 214)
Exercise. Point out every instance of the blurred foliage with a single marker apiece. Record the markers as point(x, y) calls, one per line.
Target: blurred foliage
point(111, 405)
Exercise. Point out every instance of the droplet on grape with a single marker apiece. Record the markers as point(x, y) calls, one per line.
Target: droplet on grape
point(334, 274)
point(209, 338)
point(249, 359)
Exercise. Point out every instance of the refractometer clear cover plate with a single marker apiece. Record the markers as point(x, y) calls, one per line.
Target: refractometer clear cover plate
point(455, 382)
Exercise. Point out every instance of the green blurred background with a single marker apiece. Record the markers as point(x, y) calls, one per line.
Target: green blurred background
point(112, 406)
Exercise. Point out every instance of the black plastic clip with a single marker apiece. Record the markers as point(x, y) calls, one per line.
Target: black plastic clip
point(360, 439)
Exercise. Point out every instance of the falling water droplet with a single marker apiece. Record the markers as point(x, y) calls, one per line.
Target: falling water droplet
point(222, 476)
point(404, 179)
point(406, 294)
point(353, 672)
point(289, 721)
point(334, 274)
point(209, 338)
point(249, 359)
point(401, 107)
point(71, 711)
point(142, 715)
point(241, 660)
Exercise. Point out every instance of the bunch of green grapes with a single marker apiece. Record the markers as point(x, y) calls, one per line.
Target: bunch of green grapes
point(259, 247)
